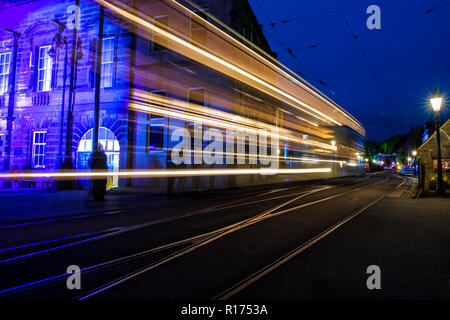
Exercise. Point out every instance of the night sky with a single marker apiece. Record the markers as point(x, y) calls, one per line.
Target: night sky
point(389, 91)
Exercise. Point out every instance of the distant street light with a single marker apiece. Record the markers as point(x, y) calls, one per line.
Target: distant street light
point(414, 153)
point(436, 102)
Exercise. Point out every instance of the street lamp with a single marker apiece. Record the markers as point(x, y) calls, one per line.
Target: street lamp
point(414, 153)
point(11, 96)
point(58, 42)
point(76, 55)
point(436, 102)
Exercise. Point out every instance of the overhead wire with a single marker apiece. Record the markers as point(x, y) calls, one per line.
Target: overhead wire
point(284, 21)
point(366, 57)
point(406, 19)
point(278, 38)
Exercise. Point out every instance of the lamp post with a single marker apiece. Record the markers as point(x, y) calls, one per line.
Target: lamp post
point(76, 55)
point(58, 42)
point(98, 79)
point(12, 97)
point(436, 102)
point(414, 153)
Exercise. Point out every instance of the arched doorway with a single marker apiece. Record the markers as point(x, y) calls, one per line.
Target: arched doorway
point(111, 146)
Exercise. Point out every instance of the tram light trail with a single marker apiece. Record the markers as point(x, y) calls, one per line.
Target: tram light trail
point(189, 112)
point(186, 48)
point(267, 59)
point(165, 173)
point(245, 93)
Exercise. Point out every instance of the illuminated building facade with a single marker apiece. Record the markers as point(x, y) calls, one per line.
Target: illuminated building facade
point(164, 65)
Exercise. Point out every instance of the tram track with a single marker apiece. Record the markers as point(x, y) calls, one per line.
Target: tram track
point(248, 281)
point(213, 237)
point(194, 240)
point(110, 232)
point(190, 244)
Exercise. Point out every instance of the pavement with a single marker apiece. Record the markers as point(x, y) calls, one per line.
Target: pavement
point(293, 241)
point(407, 238)
point(30, 205)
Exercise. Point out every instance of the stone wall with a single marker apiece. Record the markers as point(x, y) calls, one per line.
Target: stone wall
point(41, 111)
point(428, 151)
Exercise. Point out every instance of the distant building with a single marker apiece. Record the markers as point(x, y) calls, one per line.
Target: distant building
point(387, 160)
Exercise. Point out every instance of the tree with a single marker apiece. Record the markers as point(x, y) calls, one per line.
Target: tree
point(371, 149)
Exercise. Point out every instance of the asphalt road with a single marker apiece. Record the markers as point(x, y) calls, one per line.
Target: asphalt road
point(290, 241)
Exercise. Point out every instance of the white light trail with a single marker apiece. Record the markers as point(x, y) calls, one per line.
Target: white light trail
point(164, 173)
point(208, 55)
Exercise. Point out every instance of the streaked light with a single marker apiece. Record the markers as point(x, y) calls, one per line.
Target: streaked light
point(215, 58)
point(273, 66)
point(217, 123)
point(164, 173)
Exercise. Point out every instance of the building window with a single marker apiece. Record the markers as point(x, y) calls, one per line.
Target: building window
point(197, 96)
point(5, 59)
point(156, 97)
point(198, 32)
point(39, 142)
point(159, 43)
point(107, 62)
point(45, 65)
point(156, 139)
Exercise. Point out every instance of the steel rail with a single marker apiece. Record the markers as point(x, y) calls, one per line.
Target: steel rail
point(238, 287)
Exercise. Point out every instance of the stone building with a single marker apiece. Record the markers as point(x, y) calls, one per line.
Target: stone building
point(36, 63)
point(428, 157)
point(33, 65)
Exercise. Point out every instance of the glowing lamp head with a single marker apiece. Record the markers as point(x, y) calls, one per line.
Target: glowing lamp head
point(409, 159)
point(333, 143)
point(436, 101)
point(414, 153)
